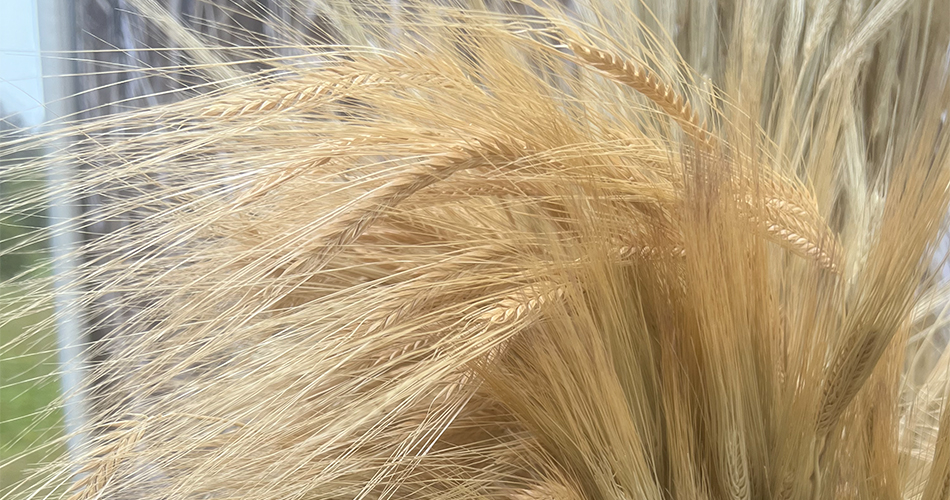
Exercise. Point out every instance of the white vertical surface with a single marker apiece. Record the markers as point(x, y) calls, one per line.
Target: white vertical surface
point(56, 19)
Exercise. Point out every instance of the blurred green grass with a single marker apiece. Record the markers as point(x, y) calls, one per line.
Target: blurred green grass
point(28, 388)
point(29, 428)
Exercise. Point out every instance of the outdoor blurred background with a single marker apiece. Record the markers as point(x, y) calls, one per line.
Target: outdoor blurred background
point(26, 384)
point(108, 50)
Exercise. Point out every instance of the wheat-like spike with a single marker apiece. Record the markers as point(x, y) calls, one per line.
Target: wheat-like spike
point(806, 241)
point(300, 95)
point(513, 306)
point(98, 472)
point(415, 346)
point(788, 225)
point(283, 97)
point(645, 82)
point(526, 300)
point(803, 246)
point(109, 457)
point(855, 357)
point(885, 296)
point(649, 252)
point(347, 228)
point(276, 179)
point(805, 232)
point(381, 320)
point(737, 467)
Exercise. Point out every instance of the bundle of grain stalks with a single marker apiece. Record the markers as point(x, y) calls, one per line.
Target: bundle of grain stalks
point(594, 249)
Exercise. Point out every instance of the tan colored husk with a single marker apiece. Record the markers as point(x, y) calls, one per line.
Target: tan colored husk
point(501, 250)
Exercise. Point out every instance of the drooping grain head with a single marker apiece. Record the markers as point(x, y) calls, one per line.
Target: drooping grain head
point(510, 250)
